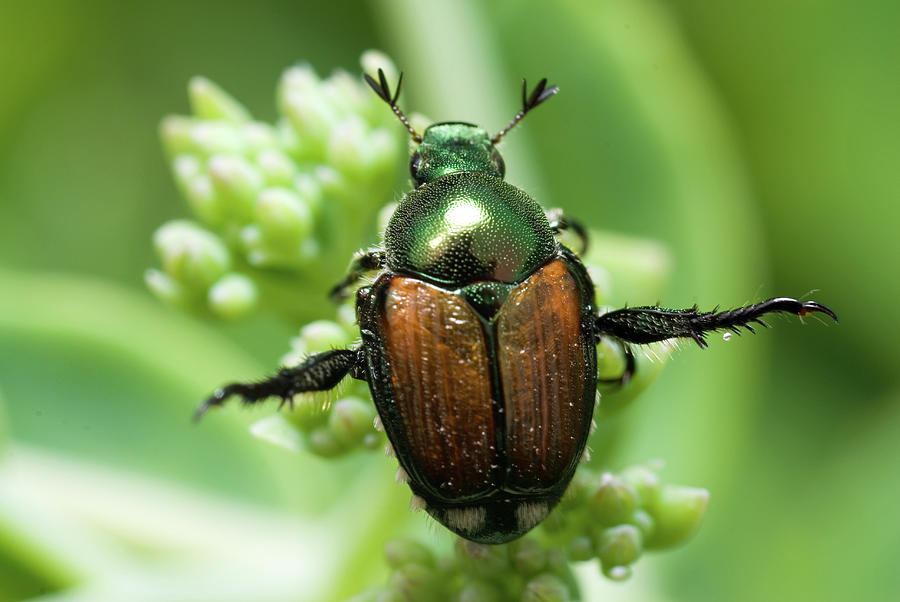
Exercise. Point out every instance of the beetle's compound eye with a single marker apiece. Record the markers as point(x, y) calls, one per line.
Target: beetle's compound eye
point(414, 164)
point(499, 165)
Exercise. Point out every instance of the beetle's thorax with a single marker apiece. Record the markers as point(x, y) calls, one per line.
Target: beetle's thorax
point(467, 227)
point(448, 148)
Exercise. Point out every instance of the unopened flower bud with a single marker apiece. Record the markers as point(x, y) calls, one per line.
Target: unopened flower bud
point(383, 150)
point(482, 560)
point(323, 335)
point(175, 133)
point(185, 167)
point(283, 218)
point(278, 169)
point(301, 78)
point(257, 137)
point(209, 101)
point(322, 442)
point(344, 92)
point(204, 200)
point(308, 188)
point(612, 501)
point(211, 137)
point(546, 588)
point(373, 60)
point(190, 254)
point(480, 591)
point(581, 548)
point(618, 546)
point(677, 513)
point(278, 430)
point(165, 287)
point(645, 481)
point(189, 135)
point(348, 147)
point(232, 296)
point(311, 413)
point(351, 419)
point(331, 182)
point(238, 182)
point(527, 556)
point(312, 117)
point(643, 521)
point(611, 361)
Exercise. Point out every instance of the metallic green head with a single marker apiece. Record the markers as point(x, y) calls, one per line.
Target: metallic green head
point(448, 148)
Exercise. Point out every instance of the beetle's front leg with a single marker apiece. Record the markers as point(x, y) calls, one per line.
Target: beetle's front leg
point(319, 372)
point(651, 324)
point(560, 222)
point(363, 262)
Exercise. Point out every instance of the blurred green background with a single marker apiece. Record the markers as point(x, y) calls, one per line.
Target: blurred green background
point(759, 141)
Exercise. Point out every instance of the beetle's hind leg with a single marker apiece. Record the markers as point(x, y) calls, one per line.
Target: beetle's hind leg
point(319, 372)
point(651, 324)
point(560, 222)
point(362, 264)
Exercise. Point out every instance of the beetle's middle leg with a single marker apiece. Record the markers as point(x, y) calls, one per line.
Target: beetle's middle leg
point(319, 372)
point(363, 263)
point(560, 222)
point(652, 324)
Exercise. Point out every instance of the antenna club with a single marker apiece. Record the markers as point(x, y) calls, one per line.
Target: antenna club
point(529, 101)
point(383, 90)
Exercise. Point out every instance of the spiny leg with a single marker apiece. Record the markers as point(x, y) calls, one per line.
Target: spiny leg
point(319, 372)
point(651, 324)
point(560, 222)
point(362, 264)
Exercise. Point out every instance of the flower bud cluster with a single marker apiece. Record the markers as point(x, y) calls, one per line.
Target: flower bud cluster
point(615, 517)
point(609, 518)
point(276, 206)
point(521, 570)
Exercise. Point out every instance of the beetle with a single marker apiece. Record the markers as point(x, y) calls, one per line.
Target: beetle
point(479, 334)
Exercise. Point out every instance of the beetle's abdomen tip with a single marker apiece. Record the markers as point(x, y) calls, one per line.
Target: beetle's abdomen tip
point(493, 522)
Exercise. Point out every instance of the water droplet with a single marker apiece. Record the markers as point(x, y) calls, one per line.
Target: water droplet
point(727, 336)
point(619, 573)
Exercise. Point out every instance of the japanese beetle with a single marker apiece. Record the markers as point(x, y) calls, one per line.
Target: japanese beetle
point(479, 336)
